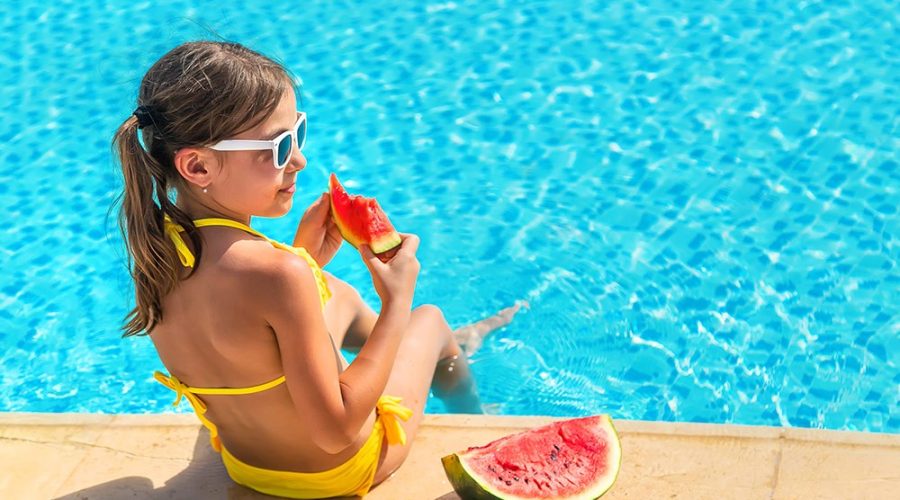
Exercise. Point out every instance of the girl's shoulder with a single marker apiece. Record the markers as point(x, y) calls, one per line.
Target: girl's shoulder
point(263, 268)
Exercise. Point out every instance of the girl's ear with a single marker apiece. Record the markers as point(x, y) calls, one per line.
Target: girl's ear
point(195, 165)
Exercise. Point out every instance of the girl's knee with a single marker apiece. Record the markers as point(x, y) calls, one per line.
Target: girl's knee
point(433, 326)
point(431, 313)
point(436, 327)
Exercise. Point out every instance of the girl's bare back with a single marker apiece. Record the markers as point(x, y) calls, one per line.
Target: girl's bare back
point(211, 337)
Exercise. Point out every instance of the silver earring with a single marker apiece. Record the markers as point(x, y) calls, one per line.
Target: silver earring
point(204, 190)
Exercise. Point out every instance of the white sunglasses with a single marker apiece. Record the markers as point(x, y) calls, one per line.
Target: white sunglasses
point(282, 146)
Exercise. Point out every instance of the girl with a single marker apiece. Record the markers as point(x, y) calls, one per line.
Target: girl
point(248, 327)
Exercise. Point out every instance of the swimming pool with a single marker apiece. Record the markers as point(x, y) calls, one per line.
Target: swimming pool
point(698, 200)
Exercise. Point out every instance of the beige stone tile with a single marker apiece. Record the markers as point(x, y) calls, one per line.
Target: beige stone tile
point(72, 435)
point(37, 452)
point(699, 430)
point(658, 466)
point(842, 437)
point(148, 460)
point(80, 419)
point(160, 419)
point(33, 469)
point(810, 469)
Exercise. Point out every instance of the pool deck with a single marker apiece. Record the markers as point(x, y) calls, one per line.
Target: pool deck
point(93, 456)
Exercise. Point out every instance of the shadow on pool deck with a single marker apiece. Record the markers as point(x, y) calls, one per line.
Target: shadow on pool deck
point(204, 468)
point(79, 456)
point(204, 477)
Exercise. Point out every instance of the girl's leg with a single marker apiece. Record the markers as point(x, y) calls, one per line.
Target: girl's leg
point(453, 381)
point(471, 336)
point(348, 318)
point(429, 359)
point(427, 341)
point(350, 321)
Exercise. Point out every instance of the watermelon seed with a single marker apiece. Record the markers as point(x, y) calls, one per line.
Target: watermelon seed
point(508, 482)
point(553, 455)
point(515, 478)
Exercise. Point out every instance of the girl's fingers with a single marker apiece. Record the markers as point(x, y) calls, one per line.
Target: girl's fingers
point(320, 208)
point(409, 243)
point(368, 256)
point(324, 199)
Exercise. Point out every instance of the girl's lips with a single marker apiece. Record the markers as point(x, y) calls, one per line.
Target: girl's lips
point(289, 189)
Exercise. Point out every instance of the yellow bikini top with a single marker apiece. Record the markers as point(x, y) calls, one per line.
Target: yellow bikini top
point(187, 259)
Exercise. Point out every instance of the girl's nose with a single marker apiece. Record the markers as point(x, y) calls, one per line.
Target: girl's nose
point(297, 162)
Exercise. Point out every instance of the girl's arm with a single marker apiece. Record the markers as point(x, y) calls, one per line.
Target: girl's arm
point(336, 404)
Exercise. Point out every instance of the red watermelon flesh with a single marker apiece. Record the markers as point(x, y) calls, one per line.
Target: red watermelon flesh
point(570, 459)
point(362, 221)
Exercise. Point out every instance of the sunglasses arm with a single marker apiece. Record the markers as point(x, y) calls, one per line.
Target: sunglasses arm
point(241, 145)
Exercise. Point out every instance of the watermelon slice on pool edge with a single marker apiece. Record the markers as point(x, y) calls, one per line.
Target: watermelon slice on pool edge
point(569, 459)
point(362, 221)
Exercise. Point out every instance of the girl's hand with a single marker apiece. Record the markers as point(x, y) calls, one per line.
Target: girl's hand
point(395, 280)
point(317, 232)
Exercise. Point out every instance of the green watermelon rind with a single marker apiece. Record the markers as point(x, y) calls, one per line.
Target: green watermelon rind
point(463, 480)
point(466, 484)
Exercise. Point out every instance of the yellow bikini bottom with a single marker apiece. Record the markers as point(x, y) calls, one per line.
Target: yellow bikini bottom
point(353, 477)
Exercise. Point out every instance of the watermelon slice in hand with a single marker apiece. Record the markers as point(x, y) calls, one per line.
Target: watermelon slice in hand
point(568, 459)
point(362, 221)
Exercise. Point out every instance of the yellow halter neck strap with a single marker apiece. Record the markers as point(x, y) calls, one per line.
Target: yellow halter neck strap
point(173, 231)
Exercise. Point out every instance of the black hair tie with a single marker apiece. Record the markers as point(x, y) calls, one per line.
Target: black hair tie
point(147, 116)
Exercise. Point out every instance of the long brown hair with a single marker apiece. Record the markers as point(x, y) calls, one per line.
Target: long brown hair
point(197, 94)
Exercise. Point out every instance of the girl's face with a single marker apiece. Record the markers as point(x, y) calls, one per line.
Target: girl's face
point(248, 182)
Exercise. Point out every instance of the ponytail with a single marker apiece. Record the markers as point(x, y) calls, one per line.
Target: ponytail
point(153, 262)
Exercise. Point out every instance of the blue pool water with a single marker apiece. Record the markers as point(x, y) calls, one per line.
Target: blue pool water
point(698, 199)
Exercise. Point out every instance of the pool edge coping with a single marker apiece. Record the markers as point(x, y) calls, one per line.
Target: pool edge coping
point(646, 427)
